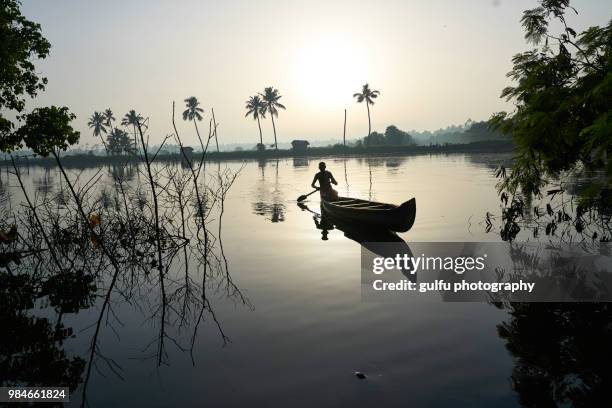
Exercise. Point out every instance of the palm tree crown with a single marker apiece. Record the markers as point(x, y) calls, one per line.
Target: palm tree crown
point(109, 117)
point(131, 118)
point(193, 110)
point(134, 119)
point(367, 95)
point(271, 104)
point(97, 123)
point(255, 107)
point(270, 98)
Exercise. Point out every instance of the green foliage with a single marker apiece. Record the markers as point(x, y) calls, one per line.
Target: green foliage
point(20, 41)
point(563, 97)
point(47, 130)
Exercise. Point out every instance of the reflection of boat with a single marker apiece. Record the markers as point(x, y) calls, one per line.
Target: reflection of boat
point(376, 240)
point(386, 216)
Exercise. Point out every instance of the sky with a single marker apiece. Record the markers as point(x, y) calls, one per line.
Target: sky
point(434, 62)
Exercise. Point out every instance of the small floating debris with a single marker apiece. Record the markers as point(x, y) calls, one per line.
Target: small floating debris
point(360, 375)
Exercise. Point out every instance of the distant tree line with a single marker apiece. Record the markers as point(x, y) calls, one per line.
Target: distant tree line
point(392, 137)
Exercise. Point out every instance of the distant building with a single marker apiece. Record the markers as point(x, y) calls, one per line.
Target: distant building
point(300, 145)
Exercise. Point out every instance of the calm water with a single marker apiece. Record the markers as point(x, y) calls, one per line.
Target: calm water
point(308, 330)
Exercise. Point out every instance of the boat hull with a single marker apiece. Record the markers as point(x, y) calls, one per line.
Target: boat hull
point(388, 216)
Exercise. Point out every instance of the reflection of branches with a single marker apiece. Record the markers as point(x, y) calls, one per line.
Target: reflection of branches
point(559, 215)
point(561, 353)
point(116, 238)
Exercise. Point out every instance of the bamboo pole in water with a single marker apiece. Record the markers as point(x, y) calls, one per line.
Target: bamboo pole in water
point(344, 133)
point(215, 125)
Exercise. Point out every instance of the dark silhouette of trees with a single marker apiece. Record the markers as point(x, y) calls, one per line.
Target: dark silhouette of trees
point(119, 142)
point(367, 95)
point(563, 95)
point(48, 130)
point(256, 108)
point(271, 98)
point(132, 119)
point(194, 113)
point(20, 42)
point(97, 122)
point(374, 139)
point(396, 137)
point(392, 137)
point(109, 118)
point(193, 110)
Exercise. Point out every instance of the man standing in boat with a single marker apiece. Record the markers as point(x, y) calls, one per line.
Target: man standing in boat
point(325, 179)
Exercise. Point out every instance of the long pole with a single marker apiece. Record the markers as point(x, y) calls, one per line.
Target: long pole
point(215, 125)
point(344, 134)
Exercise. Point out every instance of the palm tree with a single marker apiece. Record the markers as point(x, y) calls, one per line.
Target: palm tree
point(255, 107)
point(112, 141)
point(193, 112)
point(271, 105)
point(134, 119)
point(368, 95)
point(110, 118)
point(97, 123)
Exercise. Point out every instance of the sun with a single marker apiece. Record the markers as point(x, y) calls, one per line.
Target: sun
point(329, 70)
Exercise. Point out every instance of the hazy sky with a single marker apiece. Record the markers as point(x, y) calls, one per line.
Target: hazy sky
point(435, 62)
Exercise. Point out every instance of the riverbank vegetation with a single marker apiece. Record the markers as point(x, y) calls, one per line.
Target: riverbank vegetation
point(86, 246)
point(562, 130)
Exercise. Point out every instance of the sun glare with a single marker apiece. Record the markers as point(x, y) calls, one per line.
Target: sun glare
point(329, 71)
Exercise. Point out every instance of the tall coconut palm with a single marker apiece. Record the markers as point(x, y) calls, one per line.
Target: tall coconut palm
point(97, 122)
point(255, 107)
point(270, 98)
point(193, 113)
point(368, 95)
point(132, 118)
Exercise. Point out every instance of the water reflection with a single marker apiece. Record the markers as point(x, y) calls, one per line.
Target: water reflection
point(112, 249)
point(561, 353)
point(299, 161)
point(45, 184)
point(269, 200)
point(125, 172)
point(375, 240)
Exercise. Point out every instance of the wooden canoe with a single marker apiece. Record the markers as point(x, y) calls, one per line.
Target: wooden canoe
point(388, 216)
